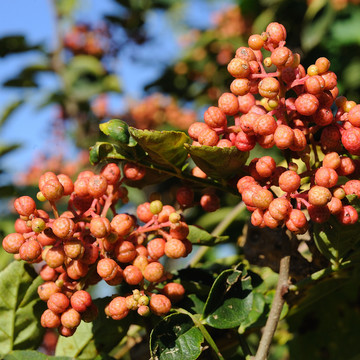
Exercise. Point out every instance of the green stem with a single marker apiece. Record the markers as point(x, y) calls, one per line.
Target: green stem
point(220, 228)
point(203, 330)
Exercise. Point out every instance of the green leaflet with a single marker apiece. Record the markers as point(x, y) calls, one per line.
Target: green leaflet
point(199, 236)
point(218, 163)
point(165, 148)
point(176, 338)
point(91, 339)
point(20, 308)
point(230, 300)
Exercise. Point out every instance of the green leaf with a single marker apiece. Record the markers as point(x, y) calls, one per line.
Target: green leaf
point(4, 149)
point(32, 355)
point(229, 301)
point(218, 163)
point(66, 7)
point(152, 176)
point(111, 83)
point(354, 201)
point(104, 150)
point(313, 8)
point(14, 44)
point(91, 339)
point(117, 129)
point(335, 240)
point(199, 236)
point(210, 220)
point(255, 314)
point(27, 76)
point(193, 303)
point(351, 74)
point(84, 77)
point(314, 31)
point(165, 148)
point(20, 308)
point(83, 64)
point(9, 109)
point(176, 338)
point(346, 30)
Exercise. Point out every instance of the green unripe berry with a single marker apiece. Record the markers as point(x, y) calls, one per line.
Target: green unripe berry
point(40, 196)
point(144, 300)
point(156, 207)
point(136, 294)
point(131, 303)
point(38, 225)
point(174, 218)
point(267, 62)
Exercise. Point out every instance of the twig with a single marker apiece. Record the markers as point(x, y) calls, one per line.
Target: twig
point(220, 228)
point(277, 305)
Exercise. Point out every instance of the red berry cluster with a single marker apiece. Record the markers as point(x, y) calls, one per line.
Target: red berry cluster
point(82, 246)
point(292, 109)
point(209, 201)
point(83, 39)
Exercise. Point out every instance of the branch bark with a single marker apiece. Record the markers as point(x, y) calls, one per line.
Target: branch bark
point(276, 308)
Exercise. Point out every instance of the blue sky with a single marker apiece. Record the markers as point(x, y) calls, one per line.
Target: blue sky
point(35, 19)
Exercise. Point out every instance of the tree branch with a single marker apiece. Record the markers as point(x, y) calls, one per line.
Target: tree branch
point(277, 305)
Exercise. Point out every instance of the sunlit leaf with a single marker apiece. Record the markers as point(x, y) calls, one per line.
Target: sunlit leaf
point(20, 308)
point(218, 163)
point(199, 236)
point(165, 148)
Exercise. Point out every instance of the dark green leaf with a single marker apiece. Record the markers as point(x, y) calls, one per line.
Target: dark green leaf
point(20, 308)
point(334, 240)
point(165, 148)
point(4, 149)
point(176, 338)
point(193, 304)
point(27, 76)
point(9, 110)
point(91, 339)
point(21, 82)
point(199, 236)
point(14, 44)
point(196, 280)
point(229, 301)
point(218, 163)
point(7, 191)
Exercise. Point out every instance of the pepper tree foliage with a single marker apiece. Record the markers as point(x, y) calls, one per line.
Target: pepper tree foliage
point(227, 299)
